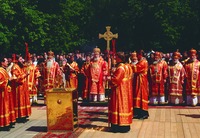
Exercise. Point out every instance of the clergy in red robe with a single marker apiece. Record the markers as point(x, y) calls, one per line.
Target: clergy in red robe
point(5, 119)
point(10, 92)
point(71, 70)
point(133, 58)
point(120, 104)
point(20, 91)
point(140, 87)
point(32, 79)
point(51, 74)
point(41, 66)
point(85, 72)
point(192, 69)
point(98, 71)
point(157, 79)
point(176, 75)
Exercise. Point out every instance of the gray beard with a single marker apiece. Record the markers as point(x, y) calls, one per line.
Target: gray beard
point(193, 59)
point(134, 62)
point(176, 61)
point(49, 63)
point(96, 59)
point(155, 62)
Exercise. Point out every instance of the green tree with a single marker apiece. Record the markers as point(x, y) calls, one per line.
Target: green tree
point(63, 20)
point(43, 27)
point(67, 25)
point(20, 23)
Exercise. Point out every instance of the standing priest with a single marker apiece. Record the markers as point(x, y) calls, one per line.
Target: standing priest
point(120, 105)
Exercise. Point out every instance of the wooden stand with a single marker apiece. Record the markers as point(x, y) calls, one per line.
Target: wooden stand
point(62, 109)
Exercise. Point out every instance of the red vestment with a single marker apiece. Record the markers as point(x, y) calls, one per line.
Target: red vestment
point(51, 75)
point(120, 105)
point(157, 78)
point(32, 79)
point(10, 92)
point(71, 75)
point(140, 85)
point(4, 99)
point(176, 74)
point(20, 92)
point(129, 71)
point(26, 92)
point(40, 85)
point(192, 78)
point(11, 104)
point(85, 72)
point(98, 69)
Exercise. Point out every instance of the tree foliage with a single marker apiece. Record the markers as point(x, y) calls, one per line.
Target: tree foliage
point(67, 25)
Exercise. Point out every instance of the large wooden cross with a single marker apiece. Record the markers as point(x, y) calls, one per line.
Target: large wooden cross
point(108, 36)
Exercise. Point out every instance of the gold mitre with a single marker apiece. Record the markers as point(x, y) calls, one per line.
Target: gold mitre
point(193, 52)
point(134, 55)
point(157, 54)
point(50, 53)
point(176, 54)
point(96, 50)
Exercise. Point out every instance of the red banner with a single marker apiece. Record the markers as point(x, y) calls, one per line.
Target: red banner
point(26, 54)
point(113, 46)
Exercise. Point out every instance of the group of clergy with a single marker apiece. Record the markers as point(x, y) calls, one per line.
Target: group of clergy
point(135, 82)
point(18, 81)
point(139, 83)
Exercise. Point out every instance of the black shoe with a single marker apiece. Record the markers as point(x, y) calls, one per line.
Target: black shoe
point(144, 117)
point(22, 120)
point(136, 117)
point(114, 128)
point(6, 128)
point(124, 129)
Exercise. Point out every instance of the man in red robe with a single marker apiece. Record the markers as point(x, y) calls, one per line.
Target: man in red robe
point(32, 79)
point(41, 67)
point(85, 72)
point(20, 90)
point(157, 79)
point(176, 75)
point(140, 87)
point(51, 74)
point(133, 58)
point(5, 119)
point(192, 69)
point(98, 70)
point(71, 70)
point(120, 105)
point(11, 99)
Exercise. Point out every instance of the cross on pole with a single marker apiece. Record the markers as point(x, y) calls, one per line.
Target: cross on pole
point(108, 36)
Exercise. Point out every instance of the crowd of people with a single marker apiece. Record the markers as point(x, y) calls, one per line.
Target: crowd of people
point(136, 79)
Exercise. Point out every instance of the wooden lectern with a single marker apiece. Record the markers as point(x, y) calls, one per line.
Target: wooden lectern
point(62, 109)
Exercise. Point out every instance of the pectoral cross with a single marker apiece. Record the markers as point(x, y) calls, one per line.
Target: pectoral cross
point(108, 36)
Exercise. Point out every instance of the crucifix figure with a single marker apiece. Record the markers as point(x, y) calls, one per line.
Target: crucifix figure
point(108, 36)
